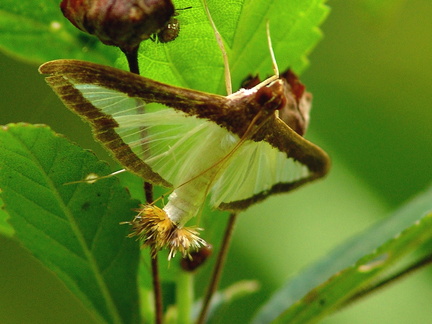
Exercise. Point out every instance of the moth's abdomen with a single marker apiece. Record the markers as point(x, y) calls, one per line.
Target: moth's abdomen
point(199, 174)
point(186, 201)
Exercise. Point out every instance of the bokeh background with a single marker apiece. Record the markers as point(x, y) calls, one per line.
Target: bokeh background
point(371, 77)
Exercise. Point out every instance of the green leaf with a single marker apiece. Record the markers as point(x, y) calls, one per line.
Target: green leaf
point(323, 287)
point(194, 60)
point(73, 229)
point(37, 31)
point(5, 228)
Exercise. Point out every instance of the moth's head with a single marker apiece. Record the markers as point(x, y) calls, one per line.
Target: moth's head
point(271, 97)
point(287, 95)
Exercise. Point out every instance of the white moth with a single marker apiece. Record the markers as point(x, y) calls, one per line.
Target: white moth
point(241, 148)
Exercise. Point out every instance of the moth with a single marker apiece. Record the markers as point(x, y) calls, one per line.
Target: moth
point(240, 148)
point(236, 147)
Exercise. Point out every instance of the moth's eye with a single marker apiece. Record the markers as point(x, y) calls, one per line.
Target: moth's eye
point(264, 95)
point(270, 98)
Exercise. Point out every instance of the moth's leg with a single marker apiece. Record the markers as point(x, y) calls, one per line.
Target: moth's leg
point(93, 177)
point(219, 40)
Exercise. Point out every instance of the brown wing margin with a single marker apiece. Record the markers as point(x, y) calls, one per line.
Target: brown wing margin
point(192, 102)
point(297, 147)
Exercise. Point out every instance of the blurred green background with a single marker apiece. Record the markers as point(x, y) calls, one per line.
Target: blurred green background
point(370, 77)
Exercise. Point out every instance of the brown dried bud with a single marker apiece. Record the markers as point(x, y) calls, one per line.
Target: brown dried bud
point(196, 258)
point(299, 102)
point(122, 23)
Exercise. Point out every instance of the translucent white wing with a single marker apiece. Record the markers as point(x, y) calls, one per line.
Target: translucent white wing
point(180, 147)
point(195, 139)
point(176, 146)
point(254, 169)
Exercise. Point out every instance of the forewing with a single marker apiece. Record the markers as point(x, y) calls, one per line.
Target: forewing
point(180, 147)
point(125, 113)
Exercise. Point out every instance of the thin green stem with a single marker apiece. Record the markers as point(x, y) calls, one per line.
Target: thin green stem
point(184, 297)
point(157, 290)
point(217, 271)
point(132, 58)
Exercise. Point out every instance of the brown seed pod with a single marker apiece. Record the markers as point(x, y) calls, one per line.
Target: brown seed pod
point(197, 258)
point(122, 23)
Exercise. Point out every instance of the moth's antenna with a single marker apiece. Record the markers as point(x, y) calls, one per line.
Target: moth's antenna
point(272, 54)
point(273, 58)
point(228, 84)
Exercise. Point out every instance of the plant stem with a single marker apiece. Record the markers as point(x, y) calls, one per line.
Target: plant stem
point(156, 289)
point(132, 58)
point(217, 271)
point(148, 191)
point(184, 297)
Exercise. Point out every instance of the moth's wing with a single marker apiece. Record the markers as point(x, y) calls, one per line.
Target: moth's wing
point(258, 169)
point(179, 147)
point(114, 102)
point(254, 169)
point(165, 145)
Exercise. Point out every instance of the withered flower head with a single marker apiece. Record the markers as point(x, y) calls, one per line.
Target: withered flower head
point(153, 226)
point(122, 23)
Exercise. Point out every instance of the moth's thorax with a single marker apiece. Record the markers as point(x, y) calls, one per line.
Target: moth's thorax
point(295, 101)
point(241, 93)
point(196, 180)
point(254, 106)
